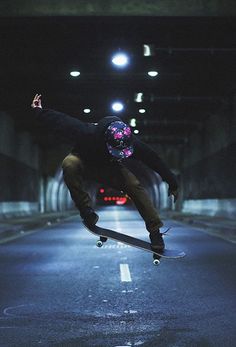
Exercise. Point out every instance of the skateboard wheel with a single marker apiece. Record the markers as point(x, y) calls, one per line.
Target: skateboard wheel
point(99, 243)
point(156, 262)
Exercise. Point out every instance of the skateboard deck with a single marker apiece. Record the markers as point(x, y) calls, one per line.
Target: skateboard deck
point(132, 241)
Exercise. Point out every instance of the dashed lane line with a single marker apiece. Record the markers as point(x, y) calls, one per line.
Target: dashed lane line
point(125, 273)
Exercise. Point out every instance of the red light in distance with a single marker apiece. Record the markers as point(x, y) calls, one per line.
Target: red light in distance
point(117, 199)
point(121, 201)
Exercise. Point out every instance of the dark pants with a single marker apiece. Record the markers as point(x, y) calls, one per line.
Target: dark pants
point(114, 175)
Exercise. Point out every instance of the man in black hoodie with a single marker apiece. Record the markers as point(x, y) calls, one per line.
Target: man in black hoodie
point(99, 153)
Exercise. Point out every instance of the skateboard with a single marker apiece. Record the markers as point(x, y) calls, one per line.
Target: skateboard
point(105, 234)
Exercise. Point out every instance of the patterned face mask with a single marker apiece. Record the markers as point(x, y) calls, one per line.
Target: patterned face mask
point(119, 140)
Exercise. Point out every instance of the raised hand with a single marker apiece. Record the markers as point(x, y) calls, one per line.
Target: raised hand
point(37, 101)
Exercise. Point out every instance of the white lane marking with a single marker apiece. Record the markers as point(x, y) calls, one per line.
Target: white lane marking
point(130, 311)
point(125, 273)
point(116, 246)
point(6, 313)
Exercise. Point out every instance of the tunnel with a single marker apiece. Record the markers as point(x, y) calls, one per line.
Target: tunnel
point(54, 195)
point(130, 241)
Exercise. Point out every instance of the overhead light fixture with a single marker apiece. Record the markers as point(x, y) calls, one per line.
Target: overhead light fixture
point(132, 122)
point(148, 50)
point(74, 73)
point(152, 73)
point(87, 110)
point(142, 110)
point(138, 97)
point(136, 131)
point(120, 60)
point(117, 106)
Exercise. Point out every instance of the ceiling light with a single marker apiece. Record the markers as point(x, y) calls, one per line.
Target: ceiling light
point(142, 110)
point(74, 73)
point(87, 110)
point(136, 131)
point(148, 50)
point(138, 97)
point(120, 59)
point(117, 106)
point(132, 122)
point(152, 73)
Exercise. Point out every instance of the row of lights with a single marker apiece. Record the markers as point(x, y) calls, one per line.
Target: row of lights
point(117, 107)
point(150, 73)
point(120, 60)
point(116, 199)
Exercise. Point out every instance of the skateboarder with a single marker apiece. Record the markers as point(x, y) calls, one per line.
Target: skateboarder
point(100, 153)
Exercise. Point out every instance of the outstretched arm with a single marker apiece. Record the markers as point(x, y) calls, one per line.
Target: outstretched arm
point(149, 157)
point(67, 127)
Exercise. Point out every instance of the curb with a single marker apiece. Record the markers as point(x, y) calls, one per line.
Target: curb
point(21, 228)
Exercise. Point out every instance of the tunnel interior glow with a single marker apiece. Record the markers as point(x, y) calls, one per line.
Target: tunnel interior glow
point(56, 197)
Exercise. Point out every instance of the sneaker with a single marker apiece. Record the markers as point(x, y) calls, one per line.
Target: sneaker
point(89, 216)
point(157, 242)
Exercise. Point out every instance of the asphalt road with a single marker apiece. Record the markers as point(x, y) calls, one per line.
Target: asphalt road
point(58, 289)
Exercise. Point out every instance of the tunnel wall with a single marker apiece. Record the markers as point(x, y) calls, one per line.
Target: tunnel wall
point(55, 196)
point(19, 178)
point(208, 176)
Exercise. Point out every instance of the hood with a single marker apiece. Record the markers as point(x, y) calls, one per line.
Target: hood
point(104, 123)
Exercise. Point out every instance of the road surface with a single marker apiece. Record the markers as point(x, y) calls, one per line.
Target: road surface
point(58, 289)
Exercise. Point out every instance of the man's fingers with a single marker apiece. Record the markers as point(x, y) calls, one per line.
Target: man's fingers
point(36, 101)
point(37, 98)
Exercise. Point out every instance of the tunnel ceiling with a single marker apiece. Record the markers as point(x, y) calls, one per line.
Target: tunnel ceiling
point(117, 8)
point(194, 56)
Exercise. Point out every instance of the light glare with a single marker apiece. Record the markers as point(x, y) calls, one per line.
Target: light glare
point(74, 73)
point(117, 106)
point(142, 110)
point(152, 73)
point(138, 97)
point(120, 60)
point(87, 110)
point(136, 131)
point(148, 50)
point(132, 122)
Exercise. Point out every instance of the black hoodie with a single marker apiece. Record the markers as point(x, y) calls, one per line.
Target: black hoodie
point(89, 142)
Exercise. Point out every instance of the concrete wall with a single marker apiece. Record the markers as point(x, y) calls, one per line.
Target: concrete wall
point(209, 170)
point(19, 157)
